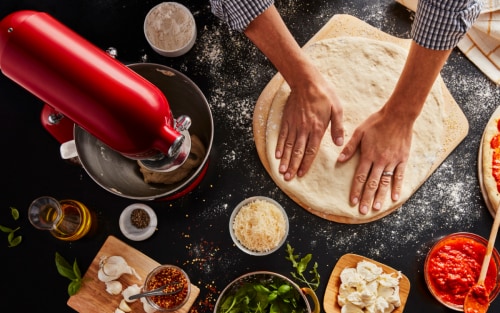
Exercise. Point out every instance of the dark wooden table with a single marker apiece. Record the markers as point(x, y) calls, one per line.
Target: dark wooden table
point(193, 230)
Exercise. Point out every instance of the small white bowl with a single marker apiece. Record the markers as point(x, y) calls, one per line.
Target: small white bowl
point(240, 243)
point(170, 29)
point(132, 232)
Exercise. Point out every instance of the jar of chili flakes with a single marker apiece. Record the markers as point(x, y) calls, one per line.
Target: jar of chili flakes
point(175, 278)
point(453, 265)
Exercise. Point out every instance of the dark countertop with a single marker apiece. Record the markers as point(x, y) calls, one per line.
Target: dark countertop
point(193, 230)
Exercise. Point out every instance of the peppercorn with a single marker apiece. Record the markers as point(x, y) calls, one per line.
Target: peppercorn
point(140, 218)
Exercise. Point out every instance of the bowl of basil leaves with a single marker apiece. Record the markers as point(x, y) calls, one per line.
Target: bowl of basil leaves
point(266, 292)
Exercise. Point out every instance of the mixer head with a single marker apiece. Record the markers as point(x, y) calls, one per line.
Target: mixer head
point(178, 152)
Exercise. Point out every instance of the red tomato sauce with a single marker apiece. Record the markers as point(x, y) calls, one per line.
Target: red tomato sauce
point(495, 166)
point(454, 268)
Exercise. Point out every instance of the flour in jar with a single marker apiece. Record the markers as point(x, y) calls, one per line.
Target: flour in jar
point(169, 26)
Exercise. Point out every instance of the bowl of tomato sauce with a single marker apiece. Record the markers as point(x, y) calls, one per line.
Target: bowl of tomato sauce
point(452, 267)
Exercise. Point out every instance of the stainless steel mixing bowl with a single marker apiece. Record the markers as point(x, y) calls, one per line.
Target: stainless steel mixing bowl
point(120, 175)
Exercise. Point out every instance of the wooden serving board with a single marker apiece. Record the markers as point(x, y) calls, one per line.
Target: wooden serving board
point(93, 298)
point(330, 304)
point(457, 125)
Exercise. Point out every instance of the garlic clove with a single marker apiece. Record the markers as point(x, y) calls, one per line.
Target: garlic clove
point(113, 287)
point(111, 268)
point(124, 306)
point(130, 291)
point(117, 310)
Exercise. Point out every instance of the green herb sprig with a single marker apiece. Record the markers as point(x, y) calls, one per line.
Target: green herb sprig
point(11, 232)
point(71, 272)
point(300, 265)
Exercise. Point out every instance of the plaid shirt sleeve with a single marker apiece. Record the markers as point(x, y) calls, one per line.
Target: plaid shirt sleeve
point(237, 14)
point(440, 24)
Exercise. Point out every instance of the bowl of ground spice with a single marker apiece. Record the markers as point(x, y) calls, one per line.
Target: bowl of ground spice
point(170, 29)
point(138, 222)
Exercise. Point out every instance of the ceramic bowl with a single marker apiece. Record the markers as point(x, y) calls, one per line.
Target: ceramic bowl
point(170, 29)
point(452, 267)
point(252, 231)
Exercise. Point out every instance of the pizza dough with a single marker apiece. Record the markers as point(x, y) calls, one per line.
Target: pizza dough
point(487, 159)
point(364, 73)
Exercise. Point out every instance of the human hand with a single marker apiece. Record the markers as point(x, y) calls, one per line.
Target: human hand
point(309, 110)
point(384, 142)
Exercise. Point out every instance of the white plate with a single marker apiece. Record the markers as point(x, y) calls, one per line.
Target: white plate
point(132, 232)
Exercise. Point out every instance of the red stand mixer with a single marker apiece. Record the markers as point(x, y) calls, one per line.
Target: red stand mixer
point(123, 109)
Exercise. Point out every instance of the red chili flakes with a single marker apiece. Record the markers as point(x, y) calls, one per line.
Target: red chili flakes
point(166, 276)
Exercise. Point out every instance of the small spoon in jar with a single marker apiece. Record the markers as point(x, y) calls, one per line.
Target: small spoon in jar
point(158, 291)
point(477, 299)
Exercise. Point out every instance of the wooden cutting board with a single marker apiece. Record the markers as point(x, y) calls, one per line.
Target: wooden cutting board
point(330, 304)
point(457, 125)
point(93, 298)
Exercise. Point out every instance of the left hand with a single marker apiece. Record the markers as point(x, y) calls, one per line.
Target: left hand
point(384, 140)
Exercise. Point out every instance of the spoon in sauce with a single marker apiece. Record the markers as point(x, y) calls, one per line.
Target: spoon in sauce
point(477, 299)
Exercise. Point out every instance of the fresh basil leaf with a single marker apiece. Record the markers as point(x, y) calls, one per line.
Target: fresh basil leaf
point(15, 241)
point(64, 268)
point(74, 286)
point(6, 229)
point(15, 213)
point(76, 270)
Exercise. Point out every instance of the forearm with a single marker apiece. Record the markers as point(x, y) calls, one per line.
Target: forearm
point(416, 80)
point(269, 33)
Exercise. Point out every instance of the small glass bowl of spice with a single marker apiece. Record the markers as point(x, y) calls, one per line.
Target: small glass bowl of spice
point(453, 265)
point(174, 279)
point(138, 222)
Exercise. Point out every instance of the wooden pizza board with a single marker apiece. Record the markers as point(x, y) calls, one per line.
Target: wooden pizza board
point(93, 297)
point(456, 123)
point(330, 304)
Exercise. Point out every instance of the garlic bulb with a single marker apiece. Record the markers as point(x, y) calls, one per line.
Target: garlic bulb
point(111, 268)
point(130, 291)
point(148, 308)
point(113, 287)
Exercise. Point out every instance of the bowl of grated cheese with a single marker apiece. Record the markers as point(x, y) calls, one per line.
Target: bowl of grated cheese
point(258, 225)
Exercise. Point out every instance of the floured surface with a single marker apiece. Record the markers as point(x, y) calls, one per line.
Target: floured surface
point(456, 124)
point(364, 73)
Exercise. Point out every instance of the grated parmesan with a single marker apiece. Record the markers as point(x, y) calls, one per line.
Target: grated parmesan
point(259, 226)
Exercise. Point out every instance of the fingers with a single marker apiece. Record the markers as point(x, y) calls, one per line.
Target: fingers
point(296, 153)
point(371, 185)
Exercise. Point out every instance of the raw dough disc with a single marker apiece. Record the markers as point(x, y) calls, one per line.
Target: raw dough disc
point(489, 184)
point(364, 73)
